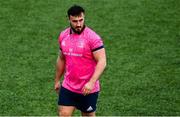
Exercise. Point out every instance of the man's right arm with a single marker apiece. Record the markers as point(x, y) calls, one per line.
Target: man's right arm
point(60, 66)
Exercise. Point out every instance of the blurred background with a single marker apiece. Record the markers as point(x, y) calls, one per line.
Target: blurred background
point(142, 41)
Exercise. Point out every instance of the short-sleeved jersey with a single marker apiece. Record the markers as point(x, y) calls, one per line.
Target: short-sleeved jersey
point(79, 61)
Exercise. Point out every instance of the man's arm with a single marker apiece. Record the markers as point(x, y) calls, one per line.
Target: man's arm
point(100, 57)
point(60, 66)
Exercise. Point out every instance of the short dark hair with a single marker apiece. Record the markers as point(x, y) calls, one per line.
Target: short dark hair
point(75, 10)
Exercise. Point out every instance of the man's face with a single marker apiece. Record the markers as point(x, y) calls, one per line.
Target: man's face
point(77, 22)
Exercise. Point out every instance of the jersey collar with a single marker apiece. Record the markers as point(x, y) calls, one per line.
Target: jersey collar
point(72, 31)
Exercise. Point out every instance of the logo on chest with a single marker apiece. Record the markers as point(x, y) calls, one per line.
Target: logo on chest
point(70, 49)
point(80, 44)
point(73, 47)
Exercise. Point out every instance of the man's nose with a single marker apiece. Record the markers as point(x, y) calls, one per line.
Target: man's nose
point(78, 23)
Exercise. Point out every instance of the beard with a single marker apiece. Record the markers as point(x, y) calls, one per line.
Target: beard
point(77, 30)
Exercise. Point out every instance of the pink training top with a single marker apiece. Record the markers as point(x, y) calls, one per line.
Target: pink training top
point(79, 61)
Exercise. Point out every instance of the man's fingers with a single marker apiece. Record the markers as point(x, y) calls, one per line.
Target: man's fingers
point(86, 91)
point(57, 88)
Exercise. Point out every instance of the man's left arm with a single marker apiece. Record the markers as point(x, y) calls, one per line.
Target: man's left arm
point(100, 57)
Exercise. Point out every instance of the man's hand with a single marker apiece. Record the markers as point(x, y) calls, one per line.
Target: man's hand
point(88, 87)
point(57, 87)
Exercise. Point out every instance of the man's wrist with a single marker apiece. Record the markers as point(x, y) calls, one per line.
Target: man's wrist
point(57, 81)
point(92, 80)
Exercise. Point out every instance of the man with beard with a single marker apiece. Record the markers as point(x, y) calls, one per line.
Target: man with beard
point(82, 60)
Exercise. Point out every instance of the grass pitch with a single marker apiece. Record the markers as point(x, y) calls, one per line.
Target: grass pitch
point(142, 41)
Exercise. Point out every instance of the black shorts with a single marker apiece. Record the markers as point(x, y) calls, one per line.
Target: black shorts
point(85, 104)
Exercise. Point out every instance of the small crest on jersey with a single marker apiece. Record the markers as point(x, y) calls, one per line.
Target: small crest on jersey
point(70, 49)
point(81, 44)
point(63, 43)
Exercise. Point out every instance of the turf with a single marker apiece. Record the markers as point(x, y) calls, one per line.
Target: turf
point(142, 41)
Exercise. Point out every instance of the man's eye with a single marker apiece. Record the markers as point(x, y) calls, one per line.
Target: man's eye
point(74, 21)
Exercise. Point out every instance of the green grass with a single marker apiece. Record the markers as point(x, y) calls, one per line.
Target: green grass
point(142, 40)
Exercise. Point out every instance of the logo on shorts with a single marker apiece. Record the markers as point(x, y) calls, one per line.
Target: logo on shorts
point(90, 108)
